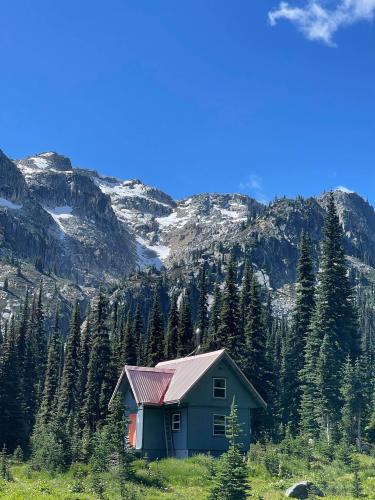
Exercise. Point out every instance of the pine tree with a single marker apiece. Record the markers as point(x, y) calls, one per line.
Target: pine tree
point(41, 342)
point(171, 341)
point(155, 332)
point(185, 343)
point(231, 481)
point(229, 335)
point(84, 358)
point(352, 398)
point(12, 431)
point(202, 309)
point(327, 401)
point(256, 363)
point(138, 333)
point(333, 334)
point(294, 353)
point(100, 378)
point(211, 342)
point(68, 395)
point(53, 373)
point(129, 345)
point(245, 293)
point(4, 465)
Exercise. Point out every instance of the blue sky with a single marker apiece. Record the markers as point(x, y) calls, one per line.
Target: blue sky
point(195, 95)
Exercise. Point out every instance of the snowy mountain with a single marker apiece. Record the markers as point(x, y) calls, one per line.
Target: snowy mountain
point(75, 229)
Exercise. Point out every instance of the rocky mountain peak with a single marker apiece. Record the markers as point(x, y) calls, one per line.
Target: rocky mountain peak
point(47, 160)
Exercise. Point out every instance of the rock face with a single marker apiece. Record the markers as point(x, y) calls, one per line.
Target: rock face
point(91, 229)
point(303, 489)
point(86, 230)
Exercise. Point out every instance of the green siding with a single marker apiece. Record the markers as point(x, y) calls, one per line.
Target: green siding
point(201, 394)
point(153, 432)
point(202, 406)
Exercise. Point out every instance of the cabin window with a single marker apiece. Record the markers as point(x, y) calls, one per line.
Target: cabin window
point(176, 422)
point(219, 388)
point(219, 425)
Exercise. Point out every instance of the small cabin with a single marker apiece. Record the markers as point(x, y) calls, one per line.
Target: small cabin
point(179, 408)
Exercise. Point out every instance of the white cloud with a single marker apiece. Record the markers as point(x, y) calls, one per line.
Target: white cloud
point(320, 19)
point(254, 186)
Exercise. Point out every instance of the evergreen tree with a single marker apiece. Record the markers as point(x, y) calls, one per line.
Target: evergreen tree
point(171, 341)
point(12, 430)
point(155, 332)
point(69, 396)
point(352, 398)
point(202, 309)
point(256, 363)
point(332, 335)
point(138, 333)
point(229, 335)
point(211, 343)
point(40, 336)
point(185, 343)
point(129, 345)
point(245, 293)
point(84, 358)
point(53, 373)
point(100, 377)
point(231, 481)
point(294, 353)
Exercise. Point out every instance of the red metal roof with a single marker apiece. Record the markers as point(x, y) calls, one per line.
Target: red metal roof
point(148, 384)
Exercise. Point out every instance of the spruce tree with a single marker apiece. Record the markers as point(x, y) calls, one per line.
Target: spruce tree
point(84, 358)
point(231, 481)
point(171, 341)
point(129, 344)
point(53, 373)
point(155, 332)
point(211, 343)
point(100, 379)
point(229, 335)
point(202, 309)
point(12, 431)
point(256, 363)
point(40, 336)
point(69, 395)
point(294, 352)
point(332, 336)
point(352, 398)
point(138, 333)
point(185, 343)
point(245, 293)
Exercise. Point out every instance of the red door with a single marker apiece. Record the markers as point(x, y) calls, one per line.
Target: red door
point(133, 429)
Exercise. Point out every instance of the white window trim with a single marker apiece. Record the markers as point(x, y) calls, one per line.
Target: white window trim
point(173, 421)
point(225, 388)
point(213, 424)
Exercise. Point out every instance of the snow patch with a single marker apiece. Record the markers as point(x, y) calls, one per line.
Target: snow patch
point(40, 162)
point(344, 189)
point(151, 255)
point(9, 204)
point(60, 213)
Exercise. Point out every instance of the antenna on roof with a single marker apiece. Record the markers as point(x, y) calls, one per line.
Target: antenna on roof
point(197, 343)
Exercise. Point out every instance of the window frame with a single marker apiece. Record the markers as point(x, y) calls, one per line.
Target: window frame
point(220, 388)
point(173, 421)
point(225, 424)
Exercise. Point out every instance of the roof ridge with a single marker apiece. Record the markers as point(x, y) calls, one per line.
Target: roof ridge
point(189, 358)
point(149, 369)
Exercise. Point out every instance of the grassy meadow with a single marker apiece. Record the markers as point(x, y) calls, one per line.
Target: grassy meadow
point(272, 469)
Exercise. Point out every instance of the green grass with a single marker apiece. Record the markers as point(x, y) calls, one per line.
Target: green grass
point(270, 474)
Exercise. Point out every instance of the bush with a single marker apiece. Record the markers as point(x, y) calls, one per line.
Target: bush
point(271, 461)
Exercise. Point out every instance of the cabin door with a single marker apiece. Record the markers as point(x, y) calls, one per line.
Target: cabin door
point(132, 429)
